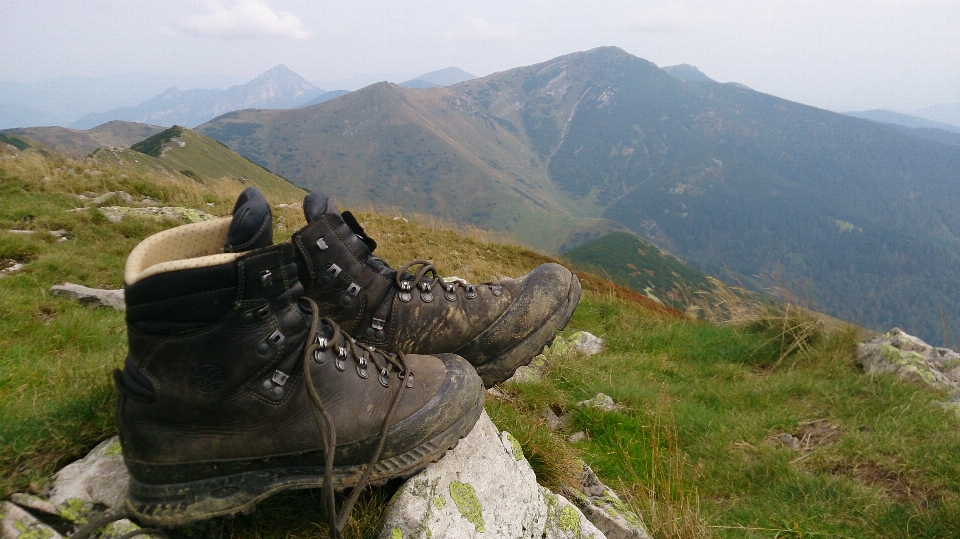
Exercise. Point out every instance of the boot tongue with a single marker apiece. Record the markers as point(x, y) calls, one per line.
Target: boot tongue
point(316, 205)
point(252, 225)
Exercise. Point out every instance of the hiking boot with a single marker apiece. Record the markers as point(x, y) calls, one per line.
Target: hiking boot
point(497, 326)
point(235, 388)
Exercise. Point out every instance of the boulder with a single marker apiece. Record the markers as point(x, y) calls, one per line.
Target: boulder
point(483, 488)
point(91, 296)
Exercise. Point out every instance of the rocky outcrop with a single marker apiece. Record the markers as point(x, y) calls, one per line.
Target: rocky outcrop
point(96, 297)
point(896, 352)
point(483, 488)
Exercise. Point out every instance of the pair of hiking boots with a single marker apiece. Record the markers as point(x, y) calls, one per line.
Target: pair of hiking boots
point(255, 368)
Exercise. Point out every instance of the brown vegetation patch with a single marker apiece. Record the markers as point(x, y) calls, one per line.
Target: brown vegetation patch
point(894, 485)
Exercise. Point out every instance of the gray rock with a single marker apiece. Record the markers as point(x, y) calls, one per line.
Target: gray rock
point(578, 436)
point(483, 488)
point(601, 401)
point(554, 421)
point(15, 523)
point(896, 352)
point(527, 374)
point(91, 296)
point(99, 478)
point(586, 343)
point(601, 505)
point(9, 266)
point(790, 441)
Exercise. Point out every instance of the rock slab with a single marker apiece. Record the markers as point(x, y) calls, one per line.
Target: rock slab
point(91, 296)
point(601, 505)
point(483, 488)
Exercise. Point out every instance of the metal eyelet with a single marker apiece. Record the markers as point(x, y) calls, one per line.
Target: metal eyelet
point(362, 368)
point(348, 297)
point(330, 274)
point(384, 377)
point(264, 311)
point(266, 278)
point(405, 295)
point(450, 292)
point(496, 289)
point(471, 292)
point(322, 342)
point(322, 245)
point(340, 362)
point(319, 356)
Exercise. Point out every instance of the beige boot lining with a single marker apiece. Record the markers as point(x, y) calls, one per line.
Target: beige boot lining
point(196, 245)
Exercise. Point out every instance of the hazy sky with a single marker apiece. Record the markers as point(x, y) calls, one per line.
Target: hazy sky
point(840, 55)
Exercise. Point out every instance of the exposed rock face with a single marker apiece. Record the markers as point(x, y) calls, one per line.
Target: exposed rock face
point(91, 296)
point(904, 355)
point(483, 488)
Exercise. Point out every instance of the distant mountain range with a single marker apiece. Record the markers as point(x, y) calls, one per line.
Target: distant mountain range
point(864, 217)
point(63, 100)
point(143, 99)
point(913, 125)
point(278, 87)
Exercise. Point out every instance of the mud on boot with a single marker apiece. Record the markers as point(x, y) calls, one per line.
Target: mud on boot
point(496, 326)
point(236, 388)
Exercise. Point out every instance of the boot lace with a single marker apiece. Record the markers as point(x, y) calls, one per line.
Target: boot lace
point(317, 344)
point(426, 274)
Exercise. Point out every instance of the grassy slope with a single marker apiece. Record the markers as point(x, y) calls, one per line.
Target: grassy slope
point(694, 448)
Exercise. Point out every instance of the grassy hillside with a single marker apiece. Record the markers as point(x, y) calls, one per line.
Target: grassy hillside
point(640, 265)
point(695, 448)
point(180, 152)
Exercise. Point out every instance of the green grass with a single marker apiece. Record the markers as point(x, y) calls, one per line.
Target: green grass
point(694, 449)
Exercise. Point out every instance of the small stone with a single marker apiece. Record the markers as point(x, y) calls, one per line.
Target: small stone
point(586, 343)
point(790, 441)
point(909, 357)
point(554, 421)
point(295, 205)
point(10, 266)
point(602, 402)
point(496, 393)
point(578, 436)
point(527, 374)
point(91, 296)
point(122, 195)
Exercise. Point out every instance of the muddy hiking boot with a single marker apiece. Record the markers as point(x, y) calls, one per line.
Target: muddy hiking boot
point(236, 387)
point(496, 326)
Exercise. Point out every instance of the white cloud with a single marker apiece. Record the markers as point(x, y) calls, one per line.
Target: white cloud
point(245, 18)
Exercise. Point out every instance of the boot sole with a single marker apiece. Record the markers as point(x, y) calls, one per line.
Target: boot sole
point(501, 368)
point(181, 504)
